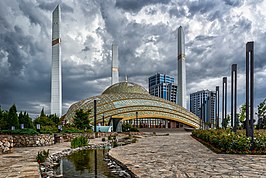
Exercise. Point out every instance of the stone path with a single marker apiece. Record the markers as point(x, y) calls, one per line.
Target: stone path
point(179, 155)
point(21, 163)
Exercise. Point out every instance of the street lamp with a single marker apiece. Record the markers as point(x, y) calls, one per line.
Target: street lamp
point(224, 104)
point(137, 118)
point(95, 113)
point(103, 119)
point(250, 91)
point(217, 107)
point(233, 96)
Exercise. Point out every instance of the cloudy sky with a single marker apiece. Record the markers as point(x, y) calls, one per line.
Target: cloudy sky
point(145, 30)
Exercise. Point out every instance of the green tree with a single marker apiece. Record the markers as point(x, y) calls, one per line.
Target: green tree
point(226, 121)
point(46, 123)
point(44, 120)
point(81, 119)
point(262, 115)
point(42, 113)
point(3, 119)
point(25, 119)
point(242, 114)
point(12, 117)
point(54, 118)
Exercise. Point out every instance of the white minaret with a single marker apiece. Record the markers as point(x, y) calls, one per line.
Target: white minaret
point(181, 68)
point(56, 78)
point(115, 71)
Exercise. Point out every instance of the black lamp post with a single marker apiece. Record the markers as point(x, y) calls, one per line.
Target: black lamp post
point(95, 113)
point(217, 108)
point(250, 90)
point(224, 104)
point(103, 119)
point(233, 97)
point(137, 118)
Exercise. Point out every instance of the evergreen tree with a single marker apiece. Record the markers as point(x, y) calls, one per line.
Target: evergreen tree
point(3, 119)
point(28, 121)
point(42, 113)
point(262, 115)
point(21, 119)
point(44, 120)
point(12, 117)
point(81, 119)
point(25, 119)
point(54, 118)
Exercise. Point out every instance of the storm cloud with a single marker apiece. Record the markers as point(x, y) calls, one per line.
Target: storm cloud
point(145, 31)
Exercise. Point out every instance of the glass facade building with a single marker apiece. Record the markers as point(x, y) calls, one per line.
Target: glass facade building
point(162, 85)
point(206, 98)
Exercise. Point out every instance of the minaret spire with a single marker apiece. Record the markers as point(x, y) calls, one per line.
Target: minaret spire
point(115, 69)
point(56, 76)
point(181, 68)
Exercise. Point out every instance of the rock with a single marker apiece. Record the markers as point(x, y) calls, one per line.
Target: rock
point(7, 144)
point(6, 149)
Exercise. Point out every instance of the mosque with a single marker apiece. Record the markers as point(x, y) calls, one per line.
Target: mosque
point(123, 101)
point(132, 103)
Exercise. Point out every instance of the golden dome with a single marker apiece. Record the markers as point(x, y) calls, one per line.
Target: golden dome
point(125, 87)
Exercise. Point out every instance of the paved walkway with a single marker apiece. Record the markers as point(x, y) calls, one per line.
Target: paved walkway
point(21, 163)
point(179, 155)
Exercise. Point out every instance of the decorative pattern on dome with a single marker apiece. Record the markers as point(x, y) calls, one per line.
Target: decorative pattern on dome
point(125, 87)
point(127, 104)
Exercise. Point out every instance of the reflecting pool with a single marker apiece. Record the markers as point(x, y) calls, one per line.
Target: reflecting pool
point(86, 163)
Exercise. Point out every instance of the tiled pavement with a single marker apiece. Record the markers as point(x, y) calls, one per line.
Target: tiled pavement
point(179, 155)
point(176, 155)
point(22, 163)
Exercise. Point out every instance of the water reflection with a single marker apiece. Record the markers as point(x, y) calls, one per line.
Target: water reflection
point(87, 163)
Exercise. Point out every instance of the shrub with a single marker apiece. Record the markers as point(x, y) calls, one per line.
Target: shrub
point(69, 129)
point(103, 139)
point(109, 137)
point(115, 144)
point(127, 127)
point(229, 142)
point(48, 129)
point(42, 155)
point(134, 140)
point(79, 142)
point(25, 131)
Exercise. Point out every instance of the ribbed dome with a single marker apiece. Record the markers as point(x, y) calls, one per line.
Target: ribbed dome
point(125, 87)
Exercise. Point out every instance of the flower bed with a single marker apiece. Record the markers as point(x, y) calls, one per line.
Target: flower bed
point(225, 141)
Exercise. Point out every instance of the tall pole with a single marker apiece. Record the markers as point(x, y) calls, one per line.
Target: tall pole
point(56, 74)
point(217, 106)
point(137, 118)
point(234, 97)
point(181, 68)
point(115, 63)
point(250, 90)
point(224, 103)
point(103, 119)
point(95, 111)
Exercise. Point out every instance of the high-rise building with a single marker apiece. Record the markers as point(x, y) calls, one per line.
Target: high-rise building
point(204, 99)
point(56, 76)
point(115, 69)
point(163, 86)
point(181, 68)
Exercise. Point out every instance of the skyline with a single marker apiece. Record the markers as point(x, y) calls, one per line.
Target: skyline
point(215, 33)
